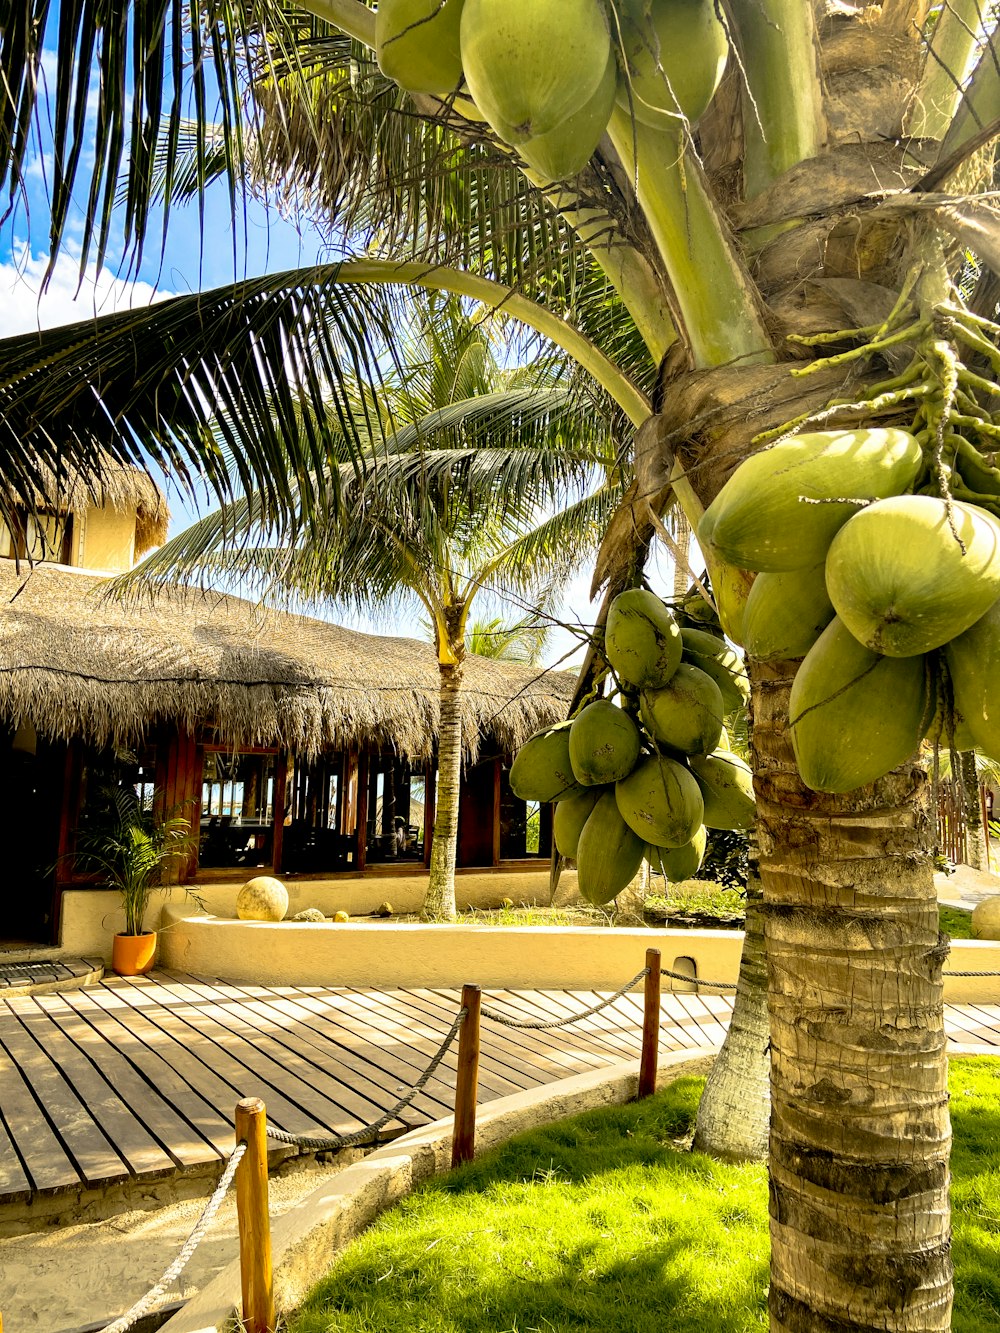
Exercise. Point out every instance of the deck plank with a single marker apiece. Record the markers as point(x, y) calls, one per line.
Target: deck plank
point(45, 1160)
point(72, 1118)
point(141, 1075)
point(98, 1089)
point(212, 1127)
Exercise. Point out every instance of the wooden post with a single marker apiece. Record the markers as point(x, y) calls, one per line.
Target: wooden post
point(650, 1024)
point(463, 1142)
point(253, 1219)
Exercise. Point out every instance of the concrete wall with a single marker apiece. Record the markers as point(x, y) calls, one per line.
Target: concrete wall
point(89, 917)
point(389, 954)
point(386, 954)
point(108, 538)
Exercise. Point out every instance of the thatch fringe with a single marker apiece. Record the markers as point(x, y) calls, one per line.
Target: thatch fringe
point(78, 664)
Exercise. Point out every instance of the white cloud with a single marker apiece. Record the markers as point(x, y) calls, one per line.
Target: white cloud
point(23, 306)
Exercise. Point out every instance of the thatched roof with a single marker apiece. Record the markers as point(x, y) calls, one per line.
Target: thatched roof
point(117, 486)
point(78, 664)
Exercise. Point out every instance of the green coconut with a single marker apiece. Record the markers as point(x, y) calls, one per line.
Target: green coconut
point(541, 770)
point(722, 662)
point(762, 518)
point(854, 715)
point(661, 802)
point(642, 640)
point(687, 713)
point(604, 744)
point(678, 863)
point(530, 67)
point(566, 150)
point(608, 853)
point(417, 44)
point(570, 817)
point(974, 663)
point(786, 613)
point(909, 573)
point(726, 784)
point(675, 55)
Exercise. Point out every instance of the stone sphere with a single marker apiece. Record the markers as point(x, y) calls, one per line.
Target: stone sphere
point(341, 916)
point(986, 919)
point(262, 898)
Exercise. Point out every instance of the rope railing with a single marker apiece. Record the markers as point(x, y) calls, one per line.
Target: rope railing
point(697, 981)
point(541, 1025)
point(369, 1133)
point(173, 1272)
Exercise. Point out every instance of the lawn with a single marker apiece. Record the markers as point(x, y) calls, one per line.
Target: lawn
point(605, 1222)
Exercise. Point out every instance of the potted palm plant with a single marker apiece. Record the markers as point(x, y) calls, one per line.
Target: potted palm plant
point(130, 850)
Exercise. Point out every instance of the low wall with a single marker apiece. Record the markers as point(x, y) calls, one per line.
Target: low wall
point(306, 1240)
point(89, 917)
point(389, 954)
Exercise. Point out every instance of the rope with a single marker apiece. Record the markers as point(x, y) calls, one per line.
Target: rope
point(712, 985)
point(144, 1305)
point(971, 974)
point(506, 1022)
point(366, 1134)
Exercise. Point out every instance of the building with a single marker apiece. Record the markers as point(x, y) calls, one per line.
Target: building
point(291, 744)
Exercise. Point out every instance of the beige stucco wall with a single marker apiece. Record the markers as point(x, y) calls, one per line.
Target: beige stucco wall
point(108, 538)
point(389, 954)
point(91, 916)
point(385, 954)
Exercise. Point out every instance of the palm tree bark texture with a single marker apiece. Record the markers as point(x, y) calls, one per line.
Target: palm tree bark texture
point(860, 1132)
point(439, 901)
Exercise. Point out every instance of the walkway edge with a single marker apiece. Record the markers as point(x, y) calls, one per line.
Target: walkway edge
point(306, 1239)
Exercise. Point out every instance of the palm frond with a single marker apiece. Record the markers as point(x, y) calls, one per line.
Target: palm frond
point(128, 81)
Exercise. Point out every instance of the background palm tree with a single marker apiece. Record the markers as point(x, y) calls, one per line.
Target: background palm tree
point(482, 480)
point(684, 269)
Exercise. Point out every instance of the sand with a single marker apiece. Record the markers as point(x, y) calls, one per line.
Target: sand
point(69, 1276)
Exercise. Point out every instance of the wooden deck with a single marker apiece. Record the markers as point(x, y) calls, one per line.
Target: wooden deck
point(137, 1079)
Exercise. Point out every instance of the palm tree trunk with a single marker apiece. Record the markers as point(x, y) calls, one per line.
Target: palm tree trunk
point(735, 1107)
point(860, 1132)
point(975, 843)
point(439, 902)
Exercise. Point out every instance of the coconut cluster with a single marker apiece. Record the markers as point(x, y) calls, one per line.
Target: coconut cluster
point(891, 598)
point(645, 778)
point(548, 74)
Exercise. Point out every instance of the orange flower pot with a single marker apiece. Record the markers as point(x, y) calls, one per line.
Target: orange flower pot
point(132, 955)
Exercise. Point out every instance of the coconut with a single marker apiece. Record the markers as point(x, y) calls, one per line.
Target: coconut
point(530, 67)
point(566, 150)
point(722, 662)
point(417, 44)
point(604, 744)
point(854, 714)
point(570, 817)
point(678, 863)
point(726, 784)
point(974, 664)
point(762, 518)
point(661, 801)
point(786, 613)
point(911, 572)
point(687, 713)
point(541, 770)
point(642, 640)
point(608, 854)
point(675, 55)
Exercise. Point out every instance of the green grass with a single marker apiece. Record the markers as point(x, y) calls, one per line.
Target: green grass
point(956, 922)
point(602, 1222)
